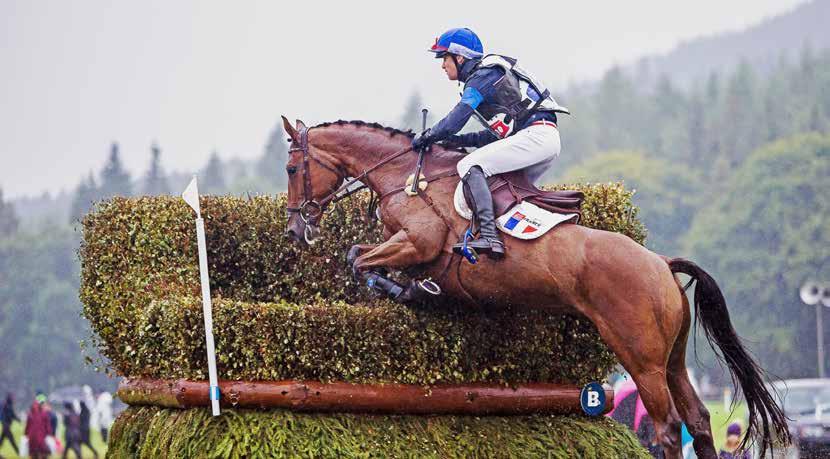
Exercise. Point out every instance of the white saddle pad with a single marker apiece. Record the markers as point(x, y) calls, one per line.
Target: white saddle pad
point(523, 221)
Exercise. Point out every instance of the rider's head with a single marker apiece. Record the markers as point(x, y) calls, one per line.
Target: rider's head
point(454, 47)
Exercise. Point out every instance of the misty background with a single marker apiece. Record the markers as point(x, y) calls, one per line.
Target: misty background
point(717, 113)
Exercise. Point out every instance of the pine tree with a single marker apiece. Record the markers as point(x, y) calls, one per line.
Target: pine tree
point(9, 222)
point(271, 165)
point(412, 117)
point(212, 180)
point(115, 180)
point(86, 194)
point(155, 182)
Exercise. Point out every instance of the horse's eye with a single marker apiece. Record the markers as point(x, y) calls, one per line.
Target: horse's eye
point(291, 169)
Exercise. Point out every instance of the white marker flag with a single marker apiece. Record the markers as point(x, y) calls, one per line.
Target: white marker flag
point(191, 197)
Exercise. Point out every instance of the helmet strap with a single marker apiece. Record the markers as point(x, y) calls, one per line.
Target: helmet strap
point(457, 66)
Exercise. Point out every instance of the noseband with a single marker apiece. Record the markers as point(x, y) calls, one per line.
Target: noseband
point(310, 209)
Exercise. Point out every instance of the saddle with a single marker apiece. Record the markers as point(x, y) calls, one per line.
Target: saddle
point(512, 188)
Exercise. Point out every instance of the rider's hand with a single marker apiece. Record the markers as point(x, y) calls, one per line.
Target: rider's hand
point(422, 141)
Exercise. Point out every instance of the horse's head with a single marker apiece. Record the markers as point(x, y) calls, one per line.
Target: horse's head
point(313, 175)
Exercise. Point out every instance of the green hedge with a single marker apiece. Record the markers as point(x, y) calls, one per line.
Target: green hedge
point(280, 312)
point(167, 433)
point(332, 340)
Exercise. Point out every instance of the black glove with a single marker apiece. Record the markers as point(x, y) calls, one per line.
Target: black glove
point(422, 141)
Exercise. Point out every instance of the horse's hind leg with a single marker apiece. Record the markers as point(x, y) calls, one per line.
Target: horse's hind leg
point(692, 410)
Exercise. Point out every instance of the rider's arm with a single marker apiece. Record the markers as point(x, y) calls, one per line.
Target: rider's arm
point(473, 139)
point(477, 86)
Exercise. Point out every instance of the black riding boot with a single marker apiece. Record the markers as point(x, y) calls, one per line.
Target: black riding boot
point(481, 201)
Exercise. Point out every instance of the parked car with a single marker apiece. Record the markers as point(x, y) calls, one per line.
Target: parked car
point(806, 403)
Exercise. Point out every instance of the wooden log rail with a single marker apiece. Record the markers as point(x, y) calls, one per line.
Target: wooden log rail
point(476, 399)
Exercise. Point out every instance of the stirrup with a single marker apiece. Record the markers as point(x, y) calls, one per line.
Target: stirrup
point(465, 250)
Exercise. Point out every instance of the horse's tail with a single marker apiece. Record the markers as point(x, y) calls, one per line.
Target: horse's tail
point(765, 416)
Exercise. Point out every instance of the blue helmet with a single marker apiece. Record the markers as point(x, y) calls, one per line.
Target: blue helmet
point(462, 41)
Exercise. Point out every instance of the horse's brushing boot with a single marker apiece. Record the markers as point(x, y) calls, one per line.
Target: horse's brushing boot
point(481, 201)
point(415, 291)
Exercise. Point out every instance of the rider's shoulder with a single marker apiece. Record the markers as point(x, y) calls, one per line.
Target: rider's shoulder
point(484, 75)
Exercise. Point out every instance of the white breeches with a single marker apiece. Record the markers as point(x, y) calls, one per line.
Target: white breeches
point(533, 149)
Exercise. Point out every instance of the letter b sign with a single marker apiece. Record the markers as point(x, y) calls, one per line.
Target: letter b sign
point(592, 399)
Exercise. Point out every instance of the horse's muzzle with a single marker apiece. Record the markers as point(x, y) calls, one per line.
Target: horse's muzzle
point(301, 232)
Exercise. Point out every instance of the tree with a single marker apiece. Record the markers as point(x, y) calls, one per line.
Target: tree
point(212, 179)
point(412, 117)
point(40, 322)
point(271, 165)
point(155, 183)
point(766, 235)
point(115, 180)
point(665, 194)
point(9, 221)
point(85, 195)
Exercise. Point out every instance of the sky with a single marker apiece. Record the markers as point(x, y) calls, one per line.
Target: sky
point(203, 76)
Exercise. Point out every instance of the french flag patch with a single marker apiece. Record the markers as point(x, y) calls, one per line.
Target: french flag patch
point(514, 220)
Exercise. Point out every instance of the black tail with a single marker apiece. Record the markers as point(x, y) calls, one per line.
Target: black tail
point(765, 416)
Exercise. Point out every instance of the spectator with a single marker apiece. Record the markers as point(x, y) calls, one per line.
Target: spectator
point(85, 427)
point(733, 440)
point(72, 430)
point(104, 409)
point(52, 442)
point(7, 416)
point(37, 429)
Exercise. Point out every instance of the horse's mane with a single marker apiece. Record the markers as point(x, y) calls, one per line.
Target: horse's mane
point(392, 131)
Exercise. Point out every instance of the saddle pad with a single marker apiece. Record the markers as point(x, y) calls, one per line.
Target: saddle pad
point(522, 221)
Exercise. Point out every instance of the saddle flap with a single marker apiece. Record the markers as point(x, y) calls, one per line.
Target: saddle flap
point(512, 188)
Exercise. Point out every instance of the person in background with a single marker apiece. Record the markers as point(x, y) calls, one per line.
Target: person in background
point(86, 416)
point(72, 430)
point(733, 440)
point(52, 442)
point(104, 409)
point(37, 429)
point(7, 416)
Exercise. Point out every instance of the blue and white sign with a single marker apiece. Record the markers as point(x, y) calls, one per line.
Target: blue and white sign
point(592, 399)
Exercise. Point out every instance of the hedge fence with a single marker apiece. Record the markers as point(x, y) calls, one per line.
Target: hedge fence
point(285, 313)
point(150, 432)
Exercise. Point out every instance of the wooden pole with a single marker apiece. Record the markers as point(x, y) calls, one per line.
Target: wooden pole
point(311, 396)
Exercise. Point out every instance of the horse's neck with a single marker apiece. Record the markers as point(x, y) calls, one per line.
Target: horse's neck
point(358, 159)
point(359, 154)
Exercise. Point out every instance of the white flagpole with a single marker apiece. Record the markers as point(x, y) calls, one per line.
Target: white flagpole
point(191, 196)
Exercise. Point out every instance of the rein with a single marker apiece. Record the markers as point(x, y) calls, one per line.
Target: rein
point(311, 210)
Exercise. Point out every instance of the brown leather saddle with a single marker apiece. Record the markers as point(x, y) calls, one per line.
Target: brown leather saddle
point(512, 188)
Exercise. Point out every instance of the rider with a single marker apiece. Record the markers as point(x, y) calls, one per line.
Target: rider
point(520, 116)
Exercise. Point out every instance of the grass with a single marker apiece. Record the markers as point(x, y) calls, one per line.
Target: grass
point(7, 452)
point(720, 419)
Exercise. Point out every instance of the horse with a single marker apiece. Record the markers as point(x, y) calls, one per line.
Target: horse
point(631, 294)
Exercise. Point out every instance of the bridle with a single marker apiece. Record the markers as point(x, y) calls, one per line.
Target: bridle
point(312, 210)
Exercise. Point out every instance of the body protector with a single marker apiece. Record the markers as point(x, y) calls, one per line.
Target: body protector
point(518, 95)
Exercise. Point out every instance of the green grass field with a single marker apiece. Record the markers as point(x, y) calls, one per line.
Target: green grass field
point(7, 452)
point(721, 418)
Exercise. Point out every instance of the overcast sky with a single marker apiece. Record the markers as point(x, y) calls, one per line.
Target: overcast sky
point(204, 75)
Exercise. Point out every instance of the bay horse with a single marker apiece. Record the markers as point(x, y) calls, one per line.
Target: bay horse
point(630, 293)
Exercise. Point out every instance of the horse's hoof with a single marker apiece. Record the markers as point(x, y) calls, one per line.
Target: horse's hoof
point(352, 255)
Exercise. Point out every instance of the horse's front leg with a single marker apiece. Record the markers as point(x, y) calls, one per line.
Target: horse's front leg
point(400, 251)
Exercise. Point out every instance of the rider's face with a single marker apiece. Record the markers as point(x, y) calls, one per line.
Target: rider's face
point(449, 66)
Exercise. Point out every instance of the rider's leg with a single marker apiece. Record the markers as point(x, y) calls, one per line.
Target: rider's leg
point(532, 148)
point(478, 195)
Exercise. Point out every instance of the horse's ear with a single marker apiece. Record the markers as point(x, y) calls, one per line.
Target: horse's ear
point(300, 125)
point(290, 129)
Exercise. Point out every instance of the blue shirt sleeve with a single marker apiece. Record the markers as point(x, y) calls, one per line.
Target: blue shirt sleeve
point(476, 90)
